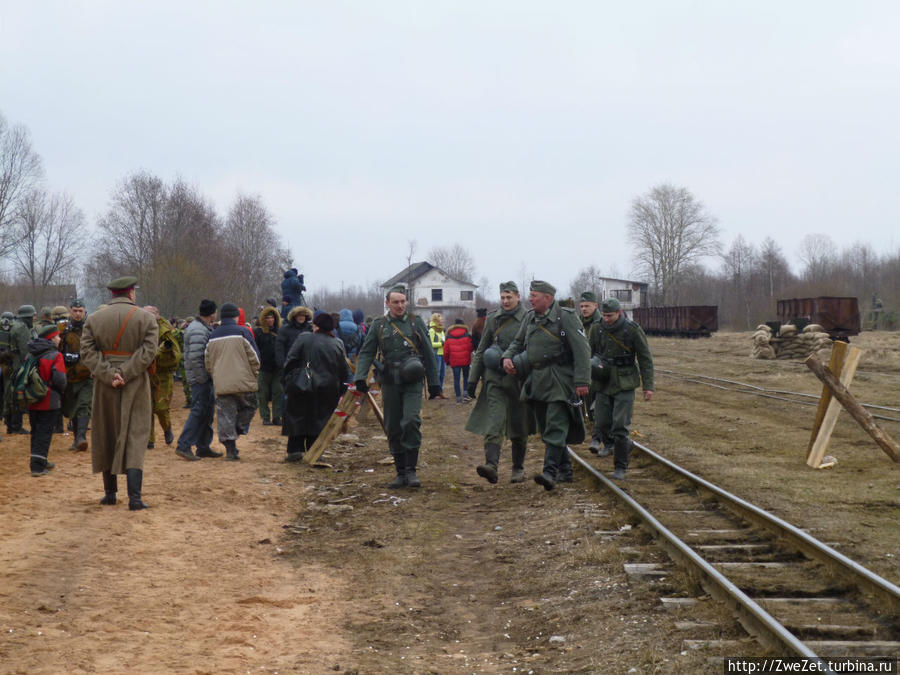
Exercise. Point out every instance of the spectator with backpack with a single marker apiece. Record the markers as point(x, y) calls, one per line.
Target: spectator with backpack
point(42, 413)
point(349, 332)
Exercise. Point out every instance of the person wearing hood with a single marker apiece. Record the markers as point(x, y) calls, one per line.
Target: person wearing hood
point(349, 332)
point(76, 403)
point(232, 359)
point(299, 321)
point(42, 414)
point(322, 358)
point(458, 355)
point(437, 336)
point(269, 378)
point(292, 286)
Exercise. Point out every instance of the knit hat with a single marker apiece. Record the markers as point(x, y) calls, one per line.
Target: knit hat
point(229, 310)
point(542, 287)
point(589, 296)
point(207, 308)
point(48, 332)
point(324, 322)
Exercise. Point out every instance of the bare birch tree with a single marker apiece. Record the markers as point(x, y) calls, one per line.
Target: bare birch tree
point(670, 230)
point(455, 260)
point(20, 172)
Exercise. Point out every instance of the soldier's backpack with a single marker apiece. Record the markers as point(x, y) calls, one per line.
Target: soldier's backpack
point(28, 386)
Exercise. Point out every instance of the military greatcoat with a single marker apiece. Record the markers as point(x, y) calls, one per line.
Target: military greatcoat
point(121, 417)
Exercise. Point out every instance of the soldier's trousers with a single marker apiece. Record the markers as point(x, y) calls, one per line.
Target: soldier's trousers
point(402, 418)
point(234, 413)
point(162, 398)
point(78, 398)
point(269, 390)
point(553, 422)
point(612, 415)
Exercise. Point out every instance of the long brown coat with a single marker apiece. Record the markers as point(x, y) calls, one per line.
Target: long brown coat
point(121, 417)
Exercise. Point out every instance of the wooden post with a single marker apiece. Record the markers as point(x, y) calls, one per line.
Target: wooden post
point(836, 365)
point(378, 412)
point(347, 406)
point(852, 406)
point(847, 363)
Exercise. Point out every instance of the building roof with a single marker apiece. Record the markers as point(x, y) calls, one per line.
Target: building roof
point(415, 272)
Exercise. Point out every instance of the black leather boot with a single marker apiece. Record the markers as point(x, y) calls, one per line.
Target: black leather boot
point(400, 466)
point(488, 470)
point(73, 423)
point(110, 487)
point(135, 478)
point(81, 426)
point(621, 456)
point(412, 458)
point(519, 446)
point(231, 451)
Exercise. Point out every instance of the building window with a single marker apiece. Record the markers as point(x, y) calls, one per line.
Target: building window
point(467, 295)
point(621, 294)
point(437, 294)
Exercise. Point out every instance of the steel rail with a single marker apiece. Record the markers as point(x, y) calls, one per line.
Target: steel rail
point(810, 546)
point(756, 620)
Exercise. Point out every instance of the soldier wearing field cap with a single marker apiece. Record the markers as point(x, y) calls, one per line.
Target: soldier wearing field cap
point(79, 394)
point(499, 413)
point(402, 342)
point(551, 353)
point(620, 361)
point(589, 308)
point(20, 334)
point(118, 345)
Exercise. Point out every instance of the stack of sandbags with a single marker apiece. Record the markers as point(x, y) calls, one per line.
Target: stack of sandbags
point(793, 344)
point(762, 349)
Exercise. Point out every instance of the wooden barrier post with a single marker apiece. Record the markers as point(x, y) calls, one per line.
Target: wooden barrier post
point(852, 406)
point(836, 366)
point(347, 406)
point(845, 359)
point(378, 412)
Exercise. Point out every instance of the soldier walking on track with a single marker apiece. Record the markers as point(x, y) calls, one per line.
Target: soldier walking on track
point(551, 353)
point(118, 345)
point(615, 343)
point(407, 357)
point(499, 413)
point(77, 399)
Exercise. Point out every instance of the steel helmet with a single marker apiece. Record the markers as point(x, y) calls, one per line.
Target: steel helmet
point(26, 311)
point(493, 358)
point(523, 367)
point(412, 370)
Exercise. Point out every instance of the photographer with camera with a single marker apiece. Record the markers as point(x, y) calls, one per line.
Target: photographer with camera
point(77, 398)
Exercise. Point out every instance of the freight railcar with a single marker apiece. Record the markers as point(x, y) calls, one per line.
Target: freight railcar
point(839, 317)
point(687, 321)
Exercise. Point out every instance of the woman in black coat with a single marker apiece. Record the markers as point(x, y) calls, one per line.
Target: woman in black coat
point(307, 413)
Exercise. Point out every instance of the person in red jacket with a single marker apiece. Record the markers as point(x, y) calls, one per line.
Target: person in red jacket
point(44, 413)
point(458, 348)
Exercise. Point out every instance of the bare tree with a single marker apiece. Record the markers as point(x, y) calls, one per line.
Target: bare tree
point(50, 238)
point(587, 279)
point(20, 172)
point(455, 260)
point(256, 255)
point(740, 261)
point(818, 254)
point(670, 230)
point(773, 267)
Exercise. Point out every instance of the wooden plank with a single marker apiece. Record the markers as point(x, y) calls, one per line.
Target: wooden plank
point(347, 406)
point(852, 406)
point(848, 370)
point(375, 409)
point(836, 364)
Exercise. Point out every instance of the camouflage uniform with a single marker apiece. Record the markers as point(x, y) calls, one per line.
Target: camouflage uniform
point(185, 385)
point(168, 356)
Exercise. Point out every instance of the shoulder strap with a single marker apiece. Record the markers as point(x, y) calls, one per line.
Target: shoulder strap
point(115, 345)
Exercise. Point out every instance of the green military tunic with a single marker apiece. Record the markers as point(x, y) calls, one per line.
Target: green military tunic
point(395, 340)
point(76, 401)
point(499, 412)
point(559, 359)
point(618, 346)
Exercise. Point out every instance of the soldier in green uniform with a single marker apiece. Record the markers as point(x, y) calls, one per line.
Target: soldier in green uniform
point(46, 317)
point(168, 354)
point(551, 353)
point(401, 340)
point(590, 314)
point(21, 333)
point(615, 343)
point(76, 402)
point(499, 413)
point(6, 357)
point(182, 375)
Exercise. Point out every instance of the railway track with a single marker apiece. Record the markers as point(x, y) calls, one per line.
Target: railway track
point(794, 594)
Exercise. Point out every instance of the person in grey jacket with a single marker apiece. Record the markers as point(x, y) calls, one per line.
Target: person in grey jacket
point(198, 427)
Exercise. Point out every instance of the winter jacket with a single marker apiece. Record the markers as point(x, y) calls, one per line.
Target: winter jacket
point(289, 332)
point(292, 287)
point(52, 369)
point(196, 335)
point(458, 346)
point(232, 359)
point(242, 321)
point(349, 332)
point(437, 335)
point(266, 339)
point(307, 414)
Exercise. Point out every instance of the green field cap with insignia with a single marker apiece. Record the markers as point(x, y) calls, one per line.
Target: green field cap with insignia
point(122, 283)
point(611, 305)
point(542, 287)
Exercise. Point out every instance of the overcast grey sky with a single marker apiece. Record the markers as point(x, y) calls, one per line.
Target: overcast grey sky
point(521, 130)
